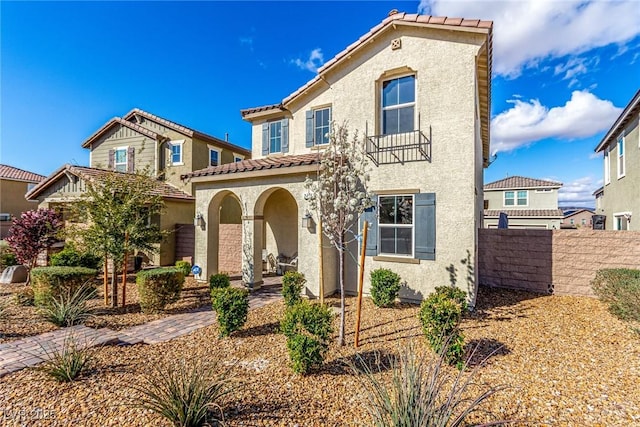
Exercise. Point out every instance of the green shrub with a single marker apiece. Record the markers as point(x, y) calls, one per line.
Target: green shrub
point(67, 363)
point(385, 285)
point(307, 328)
point(220, 280)
point(184, 266)
point(51, 282)
point(231, 306)
point(24, 297)
point(422, 391)
point(70, 308)
point(7, 257)
point(440, 315)
point(70, 257)
point(292, 285)
point(620, 289)
point(183, 392)
point(158, 287)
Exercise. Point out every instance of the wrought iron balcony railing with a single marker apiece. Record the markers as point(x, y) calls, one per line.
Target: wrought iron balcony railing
point(405, 147)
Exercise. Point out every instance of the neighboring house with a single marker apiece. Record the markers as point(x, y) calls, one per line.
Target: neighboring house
point(14, 185)
point(620, 198)
point(418, 88)
point(598, 195)
point(577, 218)
point(528, 203)
point(140, 141)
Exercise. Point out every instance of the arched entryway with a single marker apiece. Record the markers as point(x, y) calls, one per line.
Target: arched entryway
point(224, 234)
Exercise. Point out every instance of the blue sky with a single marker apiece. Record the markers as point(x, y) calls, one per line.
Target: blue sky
point(563, 70)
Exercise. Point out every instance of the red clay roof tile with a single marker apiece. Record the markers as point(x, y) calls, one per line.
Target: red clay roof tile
point(256, 164)
point(520, 182)
point(524, 212)
point(16, 174)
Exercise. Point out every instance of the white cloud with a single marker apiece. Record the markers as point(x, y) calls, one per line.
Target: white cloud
point(528, 121)
point(579, 192)
point(529, 31)
point(315, 61)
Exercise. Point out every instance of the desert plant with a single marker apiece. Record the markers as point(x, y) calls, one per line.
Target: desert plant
point(619, 288)
point(231, 306)
point(184, 392)
point(307, 328)
point(67, 363)
point(7, 257)
point(292, 285)
point(423, 391)
point(70, 257)
point(51, 282)
point(440, 315)
point(158, 287)
point(70, 308)
point(184, 266)
point(220, 280)
point(385, 286)
point(24, 297)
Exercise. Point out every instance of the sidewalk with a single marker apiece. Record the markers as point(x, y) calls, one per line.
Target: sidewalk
point(27, 352)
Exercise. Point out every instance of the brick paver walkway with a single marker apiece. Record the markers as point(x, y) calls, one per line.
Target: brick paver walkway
point(20, 354)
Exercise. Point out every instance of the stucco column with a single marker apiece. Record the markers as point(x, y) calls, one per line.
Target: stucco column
point(252, 235)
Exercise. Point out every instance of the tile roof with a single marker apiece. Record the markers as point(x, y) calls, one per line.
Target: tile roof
point(248, 111)
point(573, 212)
point(185, 130)
point(257, 164)
point(490, 213)
point(630, 111)
point(16, 174)
point(90, 174)
point(520, 182)
point(118, 121)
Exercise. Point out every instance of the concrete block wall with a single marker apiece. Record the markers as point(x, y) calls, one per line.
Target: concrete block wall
point(562, 262)
point(230, 249)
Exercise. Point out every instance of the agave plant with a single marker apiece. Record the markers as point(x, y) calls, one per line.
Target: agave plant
point(68, 362)
point(71, 308)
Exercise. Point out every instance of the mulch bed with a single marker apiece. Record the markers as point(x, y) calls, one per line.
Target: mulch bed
point(566, 361)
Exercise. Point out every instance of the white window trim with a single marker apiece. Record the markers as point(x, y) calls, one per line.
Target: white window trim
point(180, 143)
point(217, 150)
point(237, 157)
point(515, 199)
point(269, 136)
point(627, 215)
point(624, 156)
point(412, 226)
point(398, 106)
point(126, 158)
point(607, 166)
point(315, 110)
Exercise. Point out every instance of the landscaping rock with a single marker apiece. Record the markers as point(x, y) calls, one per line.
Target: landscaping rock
point(13, 274)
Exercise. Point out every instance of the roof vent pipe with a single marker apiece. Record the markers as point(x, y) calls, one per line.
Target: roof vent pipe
point(226, 136)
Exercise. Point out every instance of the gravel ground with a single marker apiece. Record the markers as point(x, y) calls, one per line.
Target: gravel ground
point(22, 322)
point(566, 362)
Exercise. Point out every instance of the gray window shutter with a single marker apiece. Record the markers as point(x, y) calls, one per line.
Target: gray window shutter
point(285, 135)
point(425, 226)
point(265, 139)
point(130, 160)
point(112, 159)
point(309, 139)
point(371, 216)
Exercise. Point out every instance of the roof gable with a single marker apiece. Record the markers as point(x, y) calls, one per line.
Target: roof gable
point(521, 182)
point(630, 111)
point(117, 121)
point(16, 174)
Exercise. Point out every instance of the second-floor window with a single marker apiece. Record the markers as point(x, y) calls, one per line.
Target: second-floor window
point(620, 157)
point(275, 137)
point(516, 198)
point(214, 157)
point(398, 105)
point(321, 123)
point(176, 152)
point(607, 167)
point(120, 159)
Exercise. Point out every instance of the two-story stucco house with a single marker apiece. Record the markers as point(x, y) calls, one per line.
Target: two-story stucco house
point(14, 185)
point(528, 203)
point(620, 146)
point(418, 88)
point(140, 141)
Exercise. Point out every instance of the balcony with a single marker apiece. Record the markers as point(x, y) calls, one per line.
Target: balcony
point(401, 148)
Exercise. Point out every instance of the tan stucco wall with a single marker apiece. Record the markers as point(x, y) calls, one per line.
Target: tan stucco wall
point(12, 199)
point(280, 217)
point(623, 194)
point(536, 200)
point(173, 213)
point(515, 222)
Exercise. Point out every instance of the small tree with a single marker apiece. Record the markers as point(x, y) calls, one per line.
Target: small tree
point(118, 208)
point(32, 233)
point(339, 195)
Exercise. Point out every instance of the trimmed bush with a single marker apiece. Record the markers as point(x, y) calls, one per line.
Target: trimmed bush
point(307, 328)
point(619, 288)
point(440, 315)
point(292, 285)
point(158, 287)
point(220, 280)
point(51, 282)
point(184, 266)
point(24, 297)
point(231, 306)
point(385, 285)
point(70, 257)
point(7, 257)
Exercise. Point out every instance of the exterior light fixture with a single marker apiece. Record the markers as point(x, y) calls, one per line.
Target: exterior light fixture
point(307, 220)
point(198, 221)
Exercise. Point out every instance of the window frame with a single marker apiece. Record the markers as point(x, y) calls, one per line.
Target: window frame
point(607, 166)
point(177, 143)
point(328, 126)
point(621, 156)
point(398, 106)
point(621, 216)
point(126, 159)
point(412, 226)
point(237, 157)
point(270, 124)
point(515, 198)
point(213, 149)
